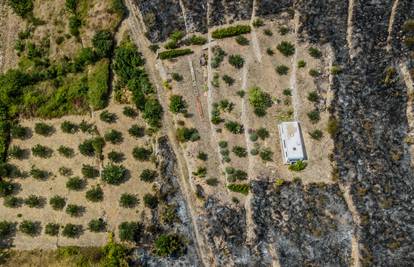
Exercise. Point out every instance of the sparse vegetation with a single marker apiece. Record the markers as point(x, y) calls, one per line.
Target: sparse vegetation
point(69, 127)
point(43, 129)
point(108, 117)
point(136, 131)
point(316, 134)
point(314, 116)
point(150, 201)
point(72, 230)
point(218, 56)
point(228, 80)
point(113, 137)
point(130, 231)
point(239, 151)
point(75, 184)
point(16, 152)
point(313, 96)
point(75, 210)
point(142, 153)
point(130, 112)
point(301, 64)
point(52, 229)
point(89, 171)
point(30, 228)
point(116, 157)
point(33, 201)
point(66, 152)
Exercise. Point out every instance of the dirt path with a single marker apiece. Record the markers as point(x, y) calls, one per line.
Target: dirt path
point(293, 78)
point(350, 29)
point(255, 40)
point(410, 109)
point(391, 24)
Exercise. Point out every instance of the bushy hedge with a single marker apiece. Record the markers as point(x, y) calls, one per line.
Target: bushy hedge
point(239, 188)
point(173, 53)
point(231, 31)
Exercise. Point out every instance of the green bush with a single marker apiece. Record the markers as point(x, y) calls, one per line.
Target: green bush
point(234, 175)
point(258, 23)
point(33, 201)
point(270, 51)
point(218, 57)
point(75, 184)
point(23, 8)
point(212, 181)
point(263, 133)
point(92, 147)
point(130, 112)
point(42, 151)
point(19, 132)
point(103, 43)
point(150, 201)
point(66, 152)
point(241, 40)
point(231, 31)
point(313, 96)
point(287, 92)
point(236, 61)
point(52, 229)
point(314, 73)
point(333, 126)
point(114, 174)
point(16, 152)
point(298, 166)
point(314, 116)
point(169, 245)
point(153, 112)
point(286, 48)
point(89, 171)
point(108, 117)
point(197, 40)
point(6, 229)
point(71, 5)
point(173, 53)
point(178, 104)
point(223, 144)
point(116, 157)
point(239, 151)
point(177, 77)
point(98, 84)
point(6, 188)
point(30, 228)
point(86, 127)
point(239, 188)
point(187, 134)
point(44, 129)
point(39, 174)
point(113, 136)
point(316, 134)
point(75, 210)
point(97, 225)
point(95, 194)
point(69, 127)
point(259, 100)
point(266, 154)
point(12, 202)
point(234, 127)
point(301, 64)
point(57, 202)
point(128, 201)
point(200, 172)
point(202, 156)
point(282, 69)
point(314, 52)
point(148, 175)
point(228, 80)
point(283, 30)
point(130, 231)
point(65, 171)
point(72, 230)
point(142, 153)
point(74, 24)
point(268, 32)
point(136, 131)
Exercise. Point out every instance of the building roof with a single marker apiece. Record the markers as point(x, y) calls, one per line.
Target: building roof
point(291, 141)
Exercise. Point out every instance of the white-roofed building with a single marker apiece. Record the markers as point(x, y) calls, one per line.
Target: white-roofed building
point(291, 142)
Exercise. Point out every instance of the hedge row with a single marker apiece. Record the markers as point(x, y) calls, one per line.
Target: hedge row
point(231, 31)
point(239, 188)
point(174, 53)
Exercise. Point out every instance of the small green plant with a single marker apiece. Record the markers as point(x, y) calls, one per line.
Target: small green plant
point(108, 117)
point(314, 52)
point(113, 137)
point(286, 48)
point(263, 133)
point(150, 201)
point(12, 202)
point(75, 210)
point(89, 171)
point(314, 116)
point(260, 101)
point(301, 64)
point(270, 51)
point(42, 151)
point(72, 230)
point(95, 194)
point(187, 135)
point(136, 131)
point(33, 201)
point(178, 104)
point(258, 23)
point(7, 229)
point(200, 172)
point(268, 32)
point(30, 228)
point(19, 132)
point(39, 174)
point(177, 77)
point(116, 157)
point(128, 201)
point(236, 61)
point(66, 152)
point(169, 245)
point(130, 112)
point(218, 57)
point(202, 156)
point(114, 174)
point(148, 175)
point(43, 129)
point(241, 40)
point(65, 171)
point(314, 73)
point(234, 127)
point(239, 151)
point(241, 93)
point(223, 144)
point(52, 229)
point(97, 225)
point(335, 70)
point(69, 127)
point(197, 40)
point(75, 184)
point(235, 174)
point(228, 80)
point(212, 181)
point(316, 134)
point(287, 92)
point(141, 153)
point(313, 96)
point(16, 152)
point(266, 154)
point(333, 126)
point(130, 231)
point(298, 166)
point(239, 188)
point(57, 202)
point(282, 69)
point(283, 30)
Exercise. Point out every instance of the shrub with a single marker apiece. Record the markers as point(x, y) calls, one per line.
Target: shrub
point(253, 136)
point(153, 112)
point(263, 133)
point(335, 70)
point(69, 127)
point(103, 43)
point(6, 229)
point(240, 188)
point(333, 126)
point(41, 151)
point(116, 157)
point(178, 104)
point(301, 64)
point(92, 147)
point(269, 51)
point(75, 210)
point(314, 116)
point(316, 134)
point(286, 48)
point(409, 42)
point(298, 166)
point(114, 174)
point(202, 156)
point(52, 229)
point(98, 85)
point(314, 73)
point(86, 127)
point(177, 77)
point(108, 117)
point(313, 96)
point(148, 175)
point(6, 188)
point(23, 8)
point(74, 24)
point(66, 152)
point(34, 201)
point(218, 57)
point(408, 26)
point(187, 134)
point(95, 194)
point(223, 144)
point(241, 40)
point(231, 31)
point(16, 152)
point(200, 172)
point(266, 154)
point(287, 92)
point(43, 129)
point(241, 93)
point(169, 245)
point(65, 171)
point(282, 69)
point(130, 112)
point(283, 30)
point(234, 127)
point(72, 230)
point(239, 151)
point(236, 61)
point(19, 132)
point(314, 52)
point(212, 181)
point(150, 201)
point(75, 184)
point(130, 231)
point(39, 174)
point(258, 23)
point(113, 136)
point(30, 228)
point(268, 32)
point(12, 202)
point(128, 201)
point(97, 225)
point(89, 171)
point(136, 131)
point(173, 53)
point(234, 175)
point(228, 80)
point(197, 40)
point(141, 153)
point(57, 202)
point(260, 101)
point(71, 5)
